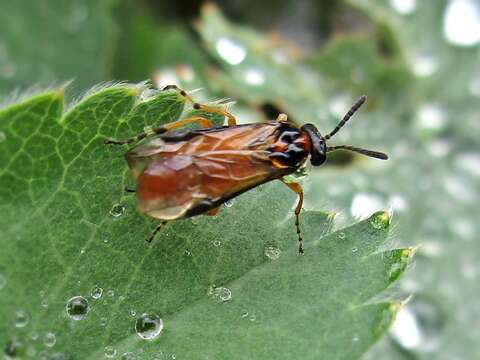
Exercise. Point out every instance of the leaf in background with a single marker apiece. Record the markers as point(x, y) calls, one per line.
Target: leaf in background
point(42, 42)
point(69, 230)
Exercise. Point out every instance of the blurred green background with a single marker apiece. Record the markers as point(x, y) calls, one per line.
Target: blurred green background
point(418, 61)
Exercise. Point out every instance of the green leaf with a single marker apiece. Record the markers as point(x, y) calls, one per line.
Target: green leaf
point(68, 229)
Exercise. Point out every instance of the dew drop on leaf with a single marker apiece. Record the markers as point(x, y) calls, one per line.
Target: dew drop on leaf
point(21, 318)
point(44, 303)
point(117, 210)
point(129, 356)
point(111, 292)
point(110, 352)
point(341, 235)
point(354, 249)
point(148, 326)
point(220, 294)
point(229, 203)
point(272, 252)
point(96, 292)
point(77, 308)
point(132, 312)
point(380, 220)
point(49, 339)
point(216, 243)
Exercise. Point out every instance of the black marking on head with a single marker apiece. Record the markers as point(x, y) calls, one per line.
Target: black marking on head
point(319, 147)
point(196, 106)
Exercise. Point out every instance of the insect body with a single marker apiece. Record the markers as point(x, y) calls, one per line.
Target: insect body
point(182, 173)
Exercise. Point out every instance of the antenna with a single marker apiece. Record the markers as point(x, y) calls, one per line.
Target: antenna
point(371, 153)
point(347, 116)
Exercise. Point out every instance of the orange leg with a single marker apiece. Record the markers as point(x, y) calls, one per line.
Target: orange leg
point(201, 121)
point(299, 191)
point(208, 109)
point(213, 212)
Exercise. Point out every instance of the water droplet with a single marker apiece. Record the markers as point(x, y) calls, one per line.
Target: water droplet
point(432, 117)
point(49, 339)
point(132, 312)
point(31, 352)
point(187, 252)
point(355, 338)
point(254, 77)
point(364, 204)
point(272, 253)
point(3, 137)
point(230, 51)
point(354, 249)
point(111, 292)
point(117, 210)
point(341, 235)
point(229, 203)
point(244, 314)
point(44, 303)
point(110, 351)
point(404, 7)
point(148, 326)
point(220, 294)
point(129, 356)
point(77, 308)
point(380, 220)
point(34, 336)
point(424, 65)
point(174, 356)
point(216, 243)
point(103, 321)
point(461, 22)
point(252, 318)
point(21, 318)
point(96, 292)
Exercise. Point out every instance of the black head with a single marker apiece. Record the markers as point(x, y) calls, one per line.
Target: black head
point(318, 152)
point(319, 149)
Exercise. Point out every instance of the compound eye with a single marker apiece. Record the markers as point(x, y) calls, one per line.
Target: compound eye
point(317, 159)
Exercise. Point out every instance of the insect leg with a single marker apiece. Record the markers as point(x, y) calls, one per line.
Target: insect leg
point(213, 212)
point(203, 122)
point(155, 231)
point(299, 191)
point(206, 108)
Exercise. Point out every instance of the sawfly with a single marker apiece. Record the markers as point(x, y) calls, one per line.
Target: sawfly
point(182, 172)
